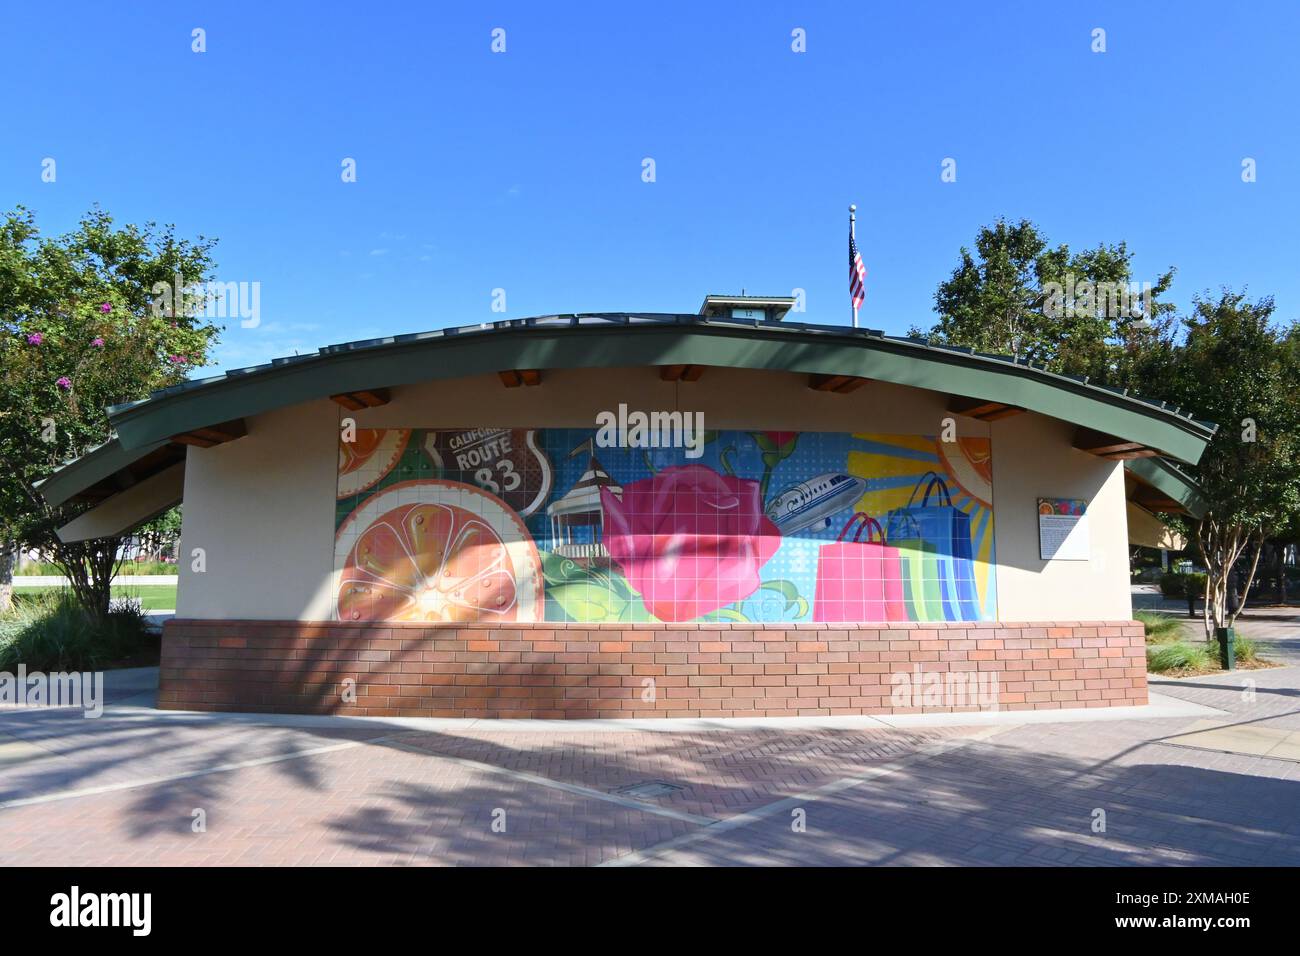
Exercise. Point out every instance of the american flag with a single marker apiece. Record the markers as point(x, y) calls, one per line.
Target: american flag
point(857, 273)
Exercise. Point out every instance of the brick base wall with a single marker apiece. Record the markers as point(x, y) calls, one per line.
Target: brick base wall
point(559, 670)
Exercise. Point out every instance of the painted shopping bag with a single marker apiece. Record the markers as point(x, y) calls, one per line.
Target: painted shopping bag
point(859, 580)
point(919, 562)
point(933, 522)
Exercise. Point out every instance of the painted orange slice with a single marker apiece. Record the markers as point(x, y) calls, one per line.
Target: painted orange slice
point(437, 551)
point(365, 460)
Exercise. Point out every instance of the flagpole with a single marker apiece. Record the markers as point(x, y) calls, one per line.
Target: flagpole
point(854, 235)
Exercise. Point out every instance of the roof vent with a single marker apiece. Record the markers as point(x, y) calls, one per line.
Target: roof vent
point(746, 308)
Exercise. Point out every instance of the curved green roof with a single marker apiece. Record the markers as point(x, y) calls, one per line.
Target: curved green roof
point(619, 340)
point(612, 340)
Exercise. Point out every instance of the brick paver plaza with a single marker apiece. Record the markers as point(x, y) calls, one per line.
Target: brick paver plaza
point(125, 788)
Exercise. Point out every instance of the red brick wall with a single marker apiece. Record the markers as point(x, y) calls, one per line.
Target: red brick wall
point(559, 670)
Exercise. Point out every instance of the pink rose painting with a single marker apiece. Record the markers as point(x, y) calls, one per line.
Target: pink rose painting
point(689, 539)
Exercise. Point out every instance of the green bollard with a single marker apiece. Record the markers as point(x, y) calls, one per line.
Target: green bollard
point(1227, 654)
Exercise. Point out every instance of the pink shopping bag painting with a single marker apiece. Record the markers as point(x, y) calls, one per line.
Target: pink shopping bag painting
point(859, 580)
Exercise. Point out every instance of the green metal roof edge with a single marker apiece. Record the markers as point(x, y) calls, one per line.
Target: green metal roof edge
point(1178, 485)
point(94, 466)
point(622, 341)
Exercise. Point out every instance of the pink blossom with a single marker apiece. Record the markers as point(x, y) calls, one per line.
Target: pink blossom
point(689, 539)
point(176, 359)
point(97, 342)
point(63, 382)
point(105, 307)
point(35, 338)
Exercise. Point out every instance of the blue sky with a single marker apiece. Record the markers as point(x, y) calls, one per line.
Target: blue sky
point(522, 170)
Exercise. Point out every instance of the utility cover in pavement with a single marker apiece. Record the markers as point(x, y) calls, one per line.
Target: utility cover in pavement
point(647, 790)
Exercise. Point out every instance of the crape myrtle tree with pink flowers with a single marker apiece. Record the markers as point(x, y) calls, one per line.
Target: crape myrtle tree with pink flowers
point(82, 328)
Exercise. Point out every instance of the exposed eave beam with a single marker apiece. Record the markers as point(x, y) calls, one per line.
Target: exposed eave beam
point(1131, 454)
point(513, 378)
point(681, 373)
point(369, 398)
point(840, 384)
point(1158, 503)
point(981, 409)
point(212, 435)
point(1110, 446)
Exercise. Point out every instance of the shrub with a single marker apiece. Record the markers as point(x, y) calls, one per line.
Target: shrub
point(1180, 655)
point(1181, 584)
point(54, 633)
point(1171, 584)
point(1160, 628)
point(1245, 650)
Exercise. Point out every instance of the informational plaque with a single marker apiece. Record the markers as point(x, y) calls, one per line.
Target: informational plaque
point(1063, 529)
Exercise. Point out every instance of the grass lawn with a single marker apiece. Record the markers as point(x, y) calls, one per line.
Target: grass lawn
point(153, 597)
point(128, 567)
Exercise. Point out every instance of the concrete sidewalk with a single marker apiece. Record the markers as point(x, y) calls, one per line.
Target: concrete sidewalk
point(133, 786)
point(1275, 627)
point(1276, 630)
point(134, 692)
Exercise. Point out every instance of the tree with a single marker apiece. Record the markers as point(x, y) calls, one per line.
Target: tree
point(1235, 367)
point(1017, 295)
point(158, 536)
point(85, 324)
point(1076, 313)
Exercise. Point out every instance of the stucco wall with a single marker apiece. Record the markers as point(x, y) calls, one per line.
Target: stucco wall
point(262, 511)
point(1033, 458)
point(262, 507)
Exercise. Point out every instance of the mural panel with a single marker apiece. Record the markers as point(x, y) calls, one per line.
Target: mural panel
point(517, 525)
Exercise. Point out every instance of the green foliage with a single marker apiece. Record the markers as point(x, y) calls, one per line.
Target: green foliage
point(1160, 628)
point(594, 595)
point(1171, 584)
point(157, 538)
point(151, 597)
point(1016, 295)
point(591, 594)
point(82, 327)
point(1179, 584)
point(1245, 650)
point(1172, 653)
point(128, 567)
point(1179, 656)
point(1234, 366)
point(55, 633)
point(93, 285)
point(1225, 360)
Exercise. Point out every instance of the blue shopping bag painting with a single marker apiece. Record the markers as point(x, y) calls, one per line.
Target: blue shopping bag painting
point(946, 531)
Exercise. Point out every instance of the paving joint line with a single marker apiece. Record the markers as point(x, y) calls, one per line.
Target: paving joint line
point(572, 788)
point(923, 753)
point(185, 775)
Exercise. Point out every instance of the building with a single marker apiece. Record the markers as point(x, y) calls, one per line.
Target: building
point(433, 525)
